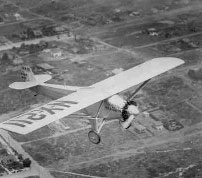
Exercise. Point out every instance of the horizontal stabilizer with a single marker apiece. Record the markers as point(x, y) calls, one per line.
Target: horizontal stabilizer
point(23, 85)
point(39, 79)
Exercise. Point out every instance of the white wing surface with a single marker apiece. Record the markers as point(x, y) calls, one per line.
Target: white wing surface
point(81, 99)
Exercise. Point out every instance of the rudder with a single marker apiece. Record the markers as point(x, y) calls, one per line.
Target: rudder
point(27, 74)
point(29, 79)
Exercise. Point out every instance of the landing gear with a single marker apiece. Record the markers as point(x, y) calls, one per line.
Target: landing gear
point(94, 137)
point(96, 124)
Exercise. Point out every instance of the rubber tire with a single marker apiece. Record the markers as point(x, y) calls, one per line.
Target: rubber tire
point(94, 137)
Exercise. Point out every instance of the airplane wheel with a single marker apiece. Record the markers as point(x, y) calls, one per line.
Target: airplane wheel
point(94, 137)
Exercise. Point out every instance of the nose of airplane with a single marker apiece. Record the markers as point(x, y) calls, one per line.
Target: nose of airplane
point(133, 110)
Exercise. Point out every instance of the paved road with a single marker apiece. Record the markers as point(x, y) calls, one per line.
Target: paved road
point(36, 169)
point(35, 41)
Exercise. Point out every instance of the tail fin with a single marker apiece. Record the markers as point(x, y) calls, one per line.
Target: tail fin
point(29, 79)
point(27, 74)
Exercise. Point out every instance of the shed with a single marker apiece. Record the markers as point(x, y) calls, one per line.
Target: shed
point(45, 66)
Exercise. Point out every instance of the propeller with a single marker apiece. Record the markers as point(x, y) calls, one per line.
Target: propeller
point(131, 107)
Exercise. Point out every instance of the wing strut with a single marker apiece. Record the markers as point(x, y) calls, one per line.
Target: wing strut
point(138, 89)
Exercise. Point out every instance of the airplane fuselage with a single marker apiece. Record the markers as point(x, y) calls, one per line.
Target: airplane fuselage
point(56, 93)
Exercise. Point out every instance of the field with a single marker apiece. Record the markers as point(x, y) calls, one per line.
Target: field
point(117, 35)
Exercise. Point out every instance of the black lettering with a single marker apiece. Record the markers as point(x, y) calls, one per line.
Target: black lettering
point(23, 121)
point(50, 110)
point(35, 116)
point(63, 103)
point(60, 104)
point(16, 124)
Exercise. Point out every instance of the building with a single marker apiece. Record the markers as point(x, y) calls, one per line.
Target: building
point(37, 33)
point(55, 52)
point(158, 126)
point(18, 16)
point(18, 61)
point(60, 29)
point(45, 66)
point(139, 128)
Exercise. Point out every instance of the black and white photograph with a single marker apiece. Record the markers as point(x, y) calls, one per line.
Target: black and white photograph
point(100, 88)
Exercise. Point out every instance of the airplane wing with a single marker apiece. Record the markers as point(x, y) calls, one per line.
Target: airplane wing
point(81, 99)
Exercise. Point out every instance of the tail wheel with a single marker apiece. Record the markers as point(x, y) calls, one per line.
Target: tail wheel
point(94, 137)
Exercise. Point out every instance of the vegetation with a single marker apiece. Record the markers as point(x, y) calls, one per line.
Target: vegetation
point(26, 162)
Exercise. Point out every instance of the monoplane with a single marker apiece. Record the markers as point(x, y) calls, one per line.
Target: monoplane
point(103, 101)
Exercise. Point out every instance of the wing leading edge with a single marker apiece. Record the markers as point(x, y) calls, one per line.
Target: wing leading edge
point(81, 99)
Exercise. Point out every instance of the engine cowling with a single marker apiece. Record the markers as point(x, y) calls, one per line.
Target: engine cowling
point(129, 109)
point(116, 103)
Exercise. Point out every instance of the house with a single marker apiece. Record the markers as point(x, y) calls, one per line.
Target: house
point(23, 52)
point(55, 52)
point(139, 128)
point(23, 36)
point(158, 126)
point(37, 33)
point(60, 29)
point(18, 16)
point(18, 61)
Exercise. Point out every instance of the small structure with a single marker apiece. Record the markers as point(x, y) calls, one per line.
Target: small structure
point(195, 74)
point(134, 13)
point(18, 61)
point(60, 29)
point(173, 125)
point(157, 115)
point(9, 159)
point(158, 126)
point(139, 128)
point(37, 33)
point(18, 16)
point(23, 52)
point(75, 50)
point(23, 36)
point(3, 40)
point(55, 52)
point(45, 66)
point(151, 32)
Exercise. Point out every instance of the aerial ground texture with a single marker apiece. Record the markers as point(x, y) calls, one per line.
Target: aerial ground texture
point(107, 37)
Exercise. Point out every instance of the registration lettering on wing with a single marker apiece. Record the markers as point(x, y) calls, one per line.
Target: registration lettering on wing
point(40, 113)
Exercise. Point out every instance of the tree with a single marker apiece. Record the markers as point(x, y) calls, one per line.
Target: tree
point(32, 48)
point(23, 46)
point(5, 59)
point(20, 157)
point(30, 33)
point(27, 162)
